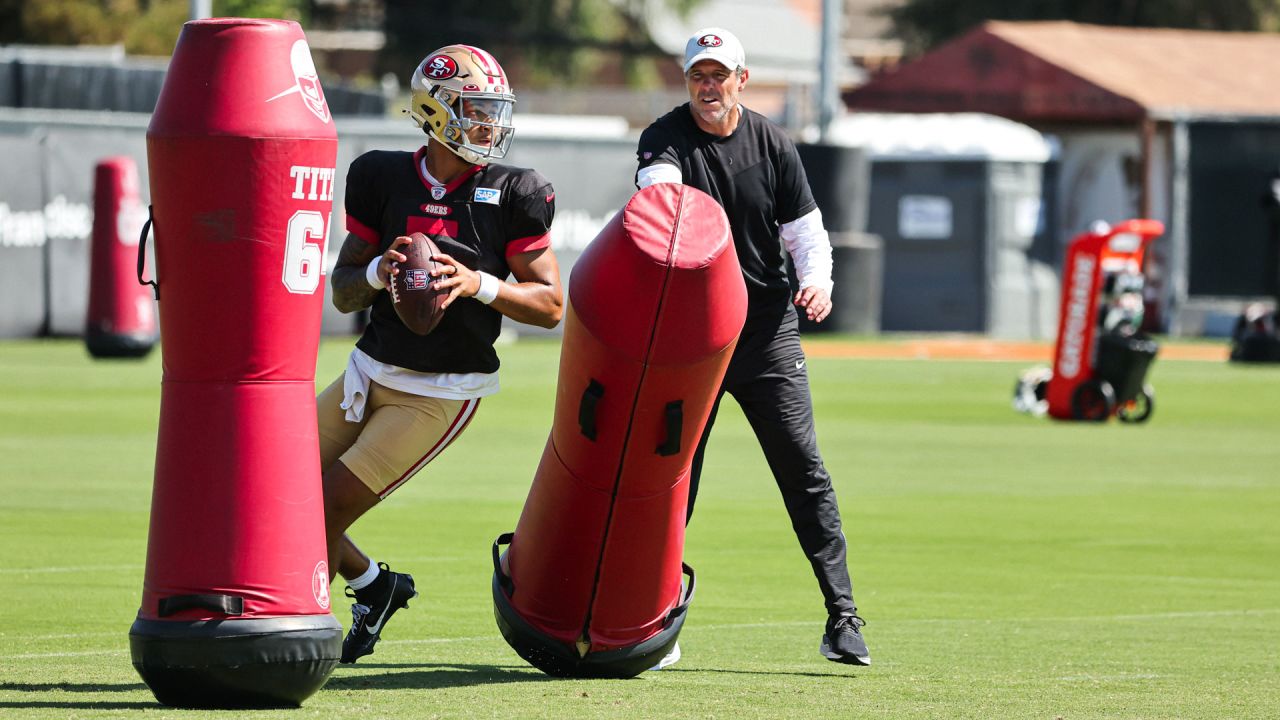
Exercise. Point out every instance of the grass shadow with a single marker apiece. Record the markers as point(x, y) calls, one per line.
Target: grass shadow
point(770, 673)
point(104, 705)
point(403, 676)
point(69, 687)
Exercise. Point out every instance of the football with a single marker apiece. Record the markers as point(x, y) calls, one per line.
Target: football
point(416, 302)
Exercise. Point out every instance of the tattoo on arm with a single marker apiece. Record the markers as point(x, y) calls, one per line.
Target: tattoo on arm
point(351, 291)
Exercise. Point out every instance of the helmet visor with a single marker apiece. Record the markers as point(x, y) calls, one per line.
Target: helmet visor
point(486, 121)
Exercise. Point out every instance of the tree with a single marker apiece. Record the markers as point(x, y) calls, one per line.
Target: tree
point(923, 24)
point(144, 27)
point(551, 42)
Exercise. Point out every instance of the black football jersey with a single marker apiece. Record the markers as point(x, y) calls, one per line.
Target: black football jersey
point(485, 215)
point(756, 176)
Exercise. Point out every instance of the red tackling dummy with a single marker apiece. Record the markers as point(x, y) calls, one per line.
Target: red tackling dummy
point(121, 320)
point(591, 584)
point(241, 149)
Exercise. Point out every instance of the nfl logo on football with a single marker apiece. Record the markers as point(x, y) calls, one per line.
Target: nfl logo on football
point(415, 279)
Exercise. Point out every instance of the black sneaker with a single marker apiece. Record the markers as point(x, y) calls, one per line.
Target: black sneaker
point(843, 643)
point(369, 617)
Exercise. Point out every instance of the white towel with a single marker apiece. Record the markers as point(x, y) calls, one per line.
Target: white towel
point(355, 390)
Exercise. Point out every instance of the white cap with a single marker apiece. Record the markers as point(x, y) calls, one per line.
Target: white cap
point(717, 44)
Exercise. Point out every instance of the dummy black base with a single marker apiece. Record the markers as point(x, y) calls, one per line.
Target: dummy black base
point(555, 658)
point(114, 345)
point(251, 663)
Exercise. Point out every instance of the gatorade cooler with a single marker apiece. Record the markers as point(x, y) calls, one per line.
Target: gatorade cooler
point(241, 150)
point(1102, 357)
point(591, 584)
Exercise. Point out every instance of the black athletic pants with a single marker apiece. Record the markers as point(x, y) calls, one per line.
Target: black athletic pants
point(768, 378)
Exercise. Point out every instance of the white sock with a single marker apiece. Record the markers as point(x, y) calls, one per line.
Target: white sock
point(367, 577)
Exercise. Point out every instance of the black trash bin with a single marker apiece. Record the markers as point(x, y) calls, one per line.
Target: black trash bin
point(857, 269)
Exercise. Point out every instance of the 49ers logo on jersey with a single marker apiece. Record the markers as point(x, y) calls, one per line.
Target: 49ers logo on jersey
point(710, 41)
point(434, 209)
point(440, 67)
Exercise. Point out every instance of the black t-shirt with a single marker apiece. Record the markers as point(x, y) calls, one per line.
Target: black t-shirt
point(756, 176)
point(482, 217)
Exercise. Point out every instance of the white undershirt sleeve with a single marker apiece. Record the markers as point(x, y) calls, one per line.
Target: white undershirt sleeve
point(658, 173)
point(810, 248)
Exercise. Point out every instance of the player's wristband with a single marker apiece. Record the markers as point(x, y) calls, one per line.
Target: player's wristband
point(488, 291)
point(371, 274)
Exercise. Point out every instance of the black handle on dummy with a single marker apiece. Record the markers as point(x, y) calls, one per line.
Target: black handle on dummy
point(587, 409)
point(142, 255)
point(674, 415)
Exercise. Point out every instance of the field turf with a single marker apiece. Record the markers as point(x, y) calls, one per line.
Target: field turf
point(1009, 566)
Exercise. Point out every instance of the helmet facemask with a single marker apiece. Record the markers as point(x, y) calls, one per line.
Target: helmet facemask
point(460, 97)
point(479, 127)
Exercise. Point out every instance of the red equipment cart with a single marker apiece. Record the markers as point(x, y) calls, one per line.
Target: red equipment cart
point(1102, 356)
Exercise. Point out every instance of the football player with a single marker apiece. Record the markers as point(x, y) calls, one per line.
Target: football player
point(404, 397)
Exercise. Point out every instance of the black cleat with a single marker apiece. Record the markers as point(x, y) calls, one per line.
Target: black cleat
point(843, 643)
point(369, 617)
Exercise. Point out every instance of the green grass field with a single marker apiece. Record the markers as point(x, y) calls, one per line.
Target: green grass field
point(1010, 567)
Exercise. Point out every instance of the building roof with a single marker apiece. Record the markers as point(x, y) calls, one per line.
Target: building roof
point(1064, 71)
point(941, 136)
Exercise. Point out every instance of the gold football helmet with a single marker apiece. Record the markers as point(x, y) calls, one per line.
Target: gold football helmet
point(459, 96)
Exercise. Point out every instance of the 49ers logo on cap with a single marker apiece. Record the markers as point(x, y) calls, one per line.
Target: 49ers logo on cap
point(710, 41)
point(440, 67)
